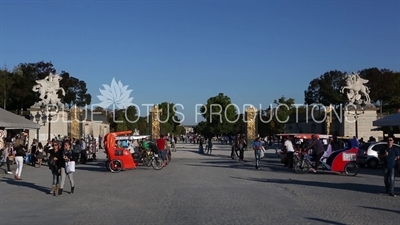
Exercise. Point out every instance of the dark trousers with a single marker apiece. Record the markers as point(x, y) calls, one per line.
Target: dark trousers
point(33, 159)
point(289, 159)
point(234, 153)
point(388, 176)
point(83, 156)
point(8, 162)
point(76, 156)
point(241, 154)
point(317, 157)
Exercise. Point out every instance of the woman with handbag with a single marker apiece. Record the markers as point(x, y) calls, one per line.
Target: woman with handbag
point(66, 163)
point(55, 154)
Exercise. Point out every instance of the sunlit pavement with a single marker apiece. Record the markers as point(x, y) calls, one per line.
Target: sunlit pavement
point(199, 189)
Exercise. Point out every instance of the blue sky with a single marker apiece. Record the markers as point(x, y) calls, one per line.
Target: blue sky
point(187, 51)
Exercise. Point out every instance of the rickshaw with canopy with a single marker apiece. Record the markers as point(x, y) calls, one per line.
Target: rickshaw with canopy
point(118, 155)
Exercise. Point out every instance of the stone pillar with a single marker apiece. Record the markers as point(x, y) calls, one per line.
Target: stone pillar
point(328, 119)
point(251, 126)
point(75, 113)
point(155, 122)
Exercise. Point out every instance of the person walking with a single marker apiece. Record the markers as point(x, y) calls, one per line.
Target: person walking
point(389, 155)
point(67, 157)
point(242, 145)
point(39, 153)
point(257, 146)
point(33, 152)
point(55, 154)
point(20, 153)
point(161, 149)
point(9, 156)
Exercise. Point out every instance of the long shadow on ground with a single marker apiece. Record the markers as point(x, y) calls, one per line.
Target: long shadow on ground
point(366, 188)
point(23, 183)
point(323, 221)
point(375, 208)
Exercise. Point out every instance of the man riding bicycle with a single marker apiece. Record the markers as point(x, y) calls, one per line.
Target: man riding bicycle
point(318, 151)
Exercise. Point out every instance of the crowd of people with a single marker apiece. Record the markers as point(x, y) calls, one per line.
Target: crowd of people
point(60, 155)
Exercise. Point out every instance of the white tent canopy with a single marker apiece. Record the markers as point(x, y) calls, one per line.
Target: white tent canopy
point(392, 120)
point(9, 120)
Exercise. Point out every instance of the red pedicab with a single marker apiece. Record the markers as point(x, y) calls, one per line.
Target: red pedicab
point(118, 158)
point(341, 161)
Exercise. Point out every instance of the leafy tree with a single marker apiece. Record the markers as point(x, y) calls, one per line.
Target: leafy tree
point(219, 115)
point(75, 91)
point(24, 77)
point(121, 122)
point(273, 120)
point(143, 126)
point(384, 87)
point(180, 130)
point(240, 125)
point(202, 128)
point(325, 90)
point(169, 122)
point(6, 81)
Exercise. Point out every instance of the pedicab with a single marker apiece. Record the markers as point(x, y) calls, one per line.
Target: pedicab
point(299, 139)
point(118, 157)
point(339, 161)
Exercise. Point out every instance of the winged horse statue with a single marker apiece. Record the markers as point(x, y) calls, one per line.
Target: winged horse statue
point(48, 89)
point(356, 88)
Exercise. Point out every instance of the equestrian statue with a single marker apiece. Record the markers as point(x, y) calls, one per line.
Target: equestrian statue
point(356, 89)
point(48, 89)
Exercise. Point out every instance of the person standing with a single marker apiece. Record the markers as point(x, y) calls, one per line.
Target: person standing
point(161, 149)
point(76, 149)
point(39, 153)
point(33, 153)
point(55, 154)
point(288, 148)
point(83, 151)
point(9, 156)
point(20, 153)
point(389, 155)
point(242, 144)
point(257, 146)
point(67, 157)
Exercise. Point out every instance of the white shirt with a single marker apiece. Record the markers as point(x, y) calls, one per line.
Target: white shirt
point(289, 146)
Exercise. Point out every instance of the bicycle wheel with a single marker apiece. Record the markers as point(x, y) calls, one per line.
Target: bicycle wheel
point(115, 166)
point(147, 161)
point(157, 164)
point(302, 167)
point(108, 165)
point(351, 169)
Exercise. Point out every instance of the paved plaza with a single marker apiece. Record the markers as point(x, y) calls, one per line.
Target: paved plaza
point(199, 189)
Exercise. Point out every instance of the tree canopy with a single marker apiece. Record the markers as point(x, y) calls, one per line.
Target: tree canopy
point(384, 86)
point(325, 89)
point(220, 115)
point(273, 120)
point(127, 119)
point(18, 84)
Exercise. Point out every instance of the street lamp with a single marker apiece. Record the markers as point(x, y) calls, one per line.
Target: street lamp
point(48, 111)
point(356, 114)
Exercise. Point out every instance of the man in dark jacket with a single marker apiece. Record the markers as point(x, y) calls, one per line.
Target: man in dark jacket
point(389, 155)
point(318, 150)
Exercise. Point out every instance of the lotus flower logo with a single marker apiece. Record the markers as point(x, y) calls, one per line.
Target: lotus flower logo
point(116, 95)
